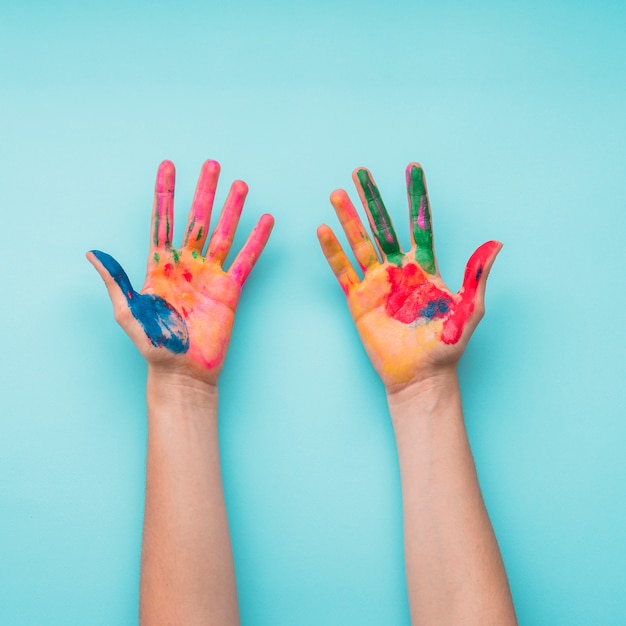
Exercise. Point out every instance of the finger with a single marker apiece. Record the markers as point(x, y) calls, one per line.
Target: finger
point(477, 272)
point(201, 207)
point(251, 251)
point(357, 236)
point(159, 322)
point(222, 237)
point(163, 207)
point(337, 259)
point(471, 306)
point(421, 225)
point(115, 279)
point(379, 219)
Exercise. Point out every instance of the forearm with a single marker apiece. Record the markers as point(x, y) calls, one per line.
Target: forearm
point(187, 571)
point(455, 574)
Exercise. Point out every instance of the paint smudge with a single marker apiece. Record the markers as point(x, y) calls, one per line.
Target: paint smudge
point(413, 296)
point(453, 327)
point(379, 219)
point(163, 325)
point(420, 219)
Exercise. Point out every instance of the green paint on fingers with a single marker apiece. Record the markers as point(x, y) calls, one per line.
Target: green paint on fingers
point(379, 219)
point(155, 236)
point(420, 219)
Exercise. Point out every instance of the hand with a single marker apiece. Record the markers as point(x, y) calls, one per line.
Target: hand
point(411, 324)
point(183, 317)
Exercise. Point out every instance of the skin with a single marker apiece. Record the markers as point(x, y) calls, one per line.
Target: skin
point(414, 330)
point(408, 320)
point(182, 318)
point(181, 322)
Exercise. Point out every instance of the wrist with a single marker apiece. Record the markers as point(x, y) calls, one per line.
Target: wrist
point(423, 390)
point(419, 402)
point(167, 388)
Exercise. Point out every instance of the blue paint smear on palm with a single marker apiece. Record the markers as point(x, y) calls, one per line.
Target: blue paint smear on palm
point(161, 322)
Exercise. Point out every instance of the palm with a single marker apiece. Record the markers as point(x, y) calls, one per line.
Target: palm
point(409, 321)
point(204, 295)
point(183, 316)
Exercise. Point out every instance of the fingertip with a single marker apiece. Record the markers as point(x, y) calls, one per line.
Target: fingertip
point(491, 250)
point(239, 188)
point(339, 199)
point(211, 166)
point(166, 176)
point(267, 220)
point(360, 175)
point(415, 174)
point(324, 232)
point(265, 225)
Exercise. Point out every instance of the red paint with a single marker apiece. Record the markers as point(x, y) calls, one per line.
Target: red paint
point(168, 269)
point(453, 326)
point(411, 293)
point(413, 296)
point(187, 275)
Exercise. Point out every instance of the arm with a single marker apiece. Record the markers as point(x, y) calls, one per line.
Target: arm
point(455, 574)
point(181, 322)
point(414, 331)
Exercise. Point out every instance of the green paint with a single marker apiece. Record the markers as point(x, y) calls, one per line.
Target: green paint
point(190, 229)
point(155, 236)
point(195, 254)
point(379, 219)
point(175, 255)
point(423, 237)
point(157, 258)
point(199, 235)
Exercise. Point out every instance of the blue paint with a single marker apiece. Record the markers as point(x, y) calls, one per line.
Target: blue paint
point(435, 308)
point(479, 273)
point(161, 322)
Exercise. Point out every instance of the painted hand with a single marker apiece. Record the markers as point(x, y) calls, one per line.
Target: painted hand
point(411, 324)
point(183, 317)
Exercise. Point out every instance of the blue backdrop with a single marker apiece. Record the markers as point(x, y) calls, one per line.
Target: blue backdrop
point(516, 111)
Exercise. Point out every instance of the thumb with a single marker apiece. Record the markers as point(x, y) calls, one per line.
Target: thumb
point(477, 272)
point(115, 279)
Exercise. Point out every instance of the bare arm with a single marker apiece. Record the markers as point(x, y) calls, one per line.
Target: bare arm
point(414, 331)
point(181, 321)
point(455, 574)
point(187, 572)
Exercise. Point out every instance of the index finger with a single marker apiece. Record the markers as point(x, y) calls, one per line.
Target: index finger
point(163, 206)
point(377, 215)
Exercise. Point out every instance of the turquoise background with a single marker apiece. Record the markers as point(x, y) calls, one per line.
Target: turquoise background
point(516, 111)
